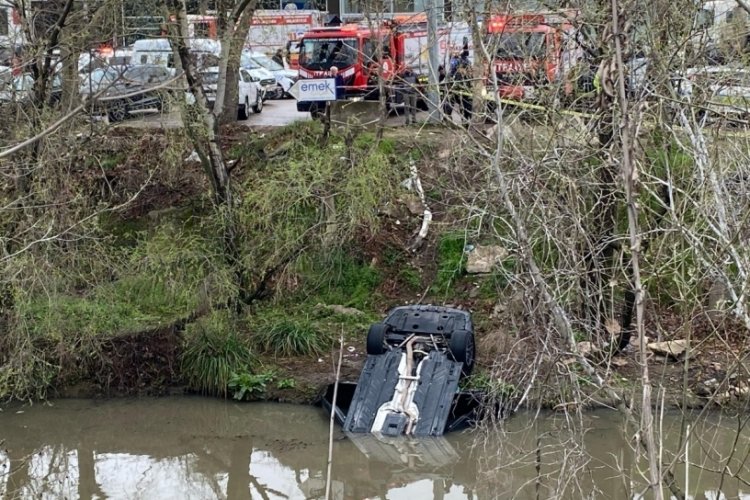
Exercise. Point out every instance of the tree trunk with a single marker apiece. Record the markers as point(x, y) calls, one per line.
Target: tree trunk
point(480, 64)
point(236, 44)
point(209, 148)
point(205, 136)
point(233, 32)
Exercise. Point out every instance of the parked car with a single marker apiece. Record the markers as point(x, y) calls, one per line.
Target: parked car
point(722, 91)
point(19, 88)
point(265, 78)
point(250, 94)
point(285, 78)
point(137, 90)
point(99, 79)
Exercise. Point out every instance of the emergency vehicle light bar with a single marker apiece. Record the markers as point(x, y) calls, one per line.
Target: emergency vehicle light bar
point(497, 24)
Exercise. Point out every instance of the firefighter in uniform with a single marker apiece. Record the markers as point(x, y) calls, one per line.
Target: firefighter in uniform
point(461, 90)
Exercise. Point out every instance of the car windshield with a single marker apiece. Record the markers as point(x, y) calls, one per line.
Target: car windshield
point(145, 74)
point(520, 45)
point(267, 63)
point(324, 53)
point(210, 77)
point(247, 61)
point(102, 74)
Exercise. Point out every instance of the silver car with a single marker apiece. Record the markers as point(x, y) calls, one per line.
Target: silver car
point(717, 90)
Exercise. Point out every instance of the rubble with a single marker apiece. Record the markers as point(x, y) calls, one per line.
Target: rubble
point(482, 259)
point(670, 348)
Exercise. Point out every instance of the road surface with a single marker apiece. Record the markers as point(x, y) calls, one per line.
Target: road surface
point(276, 113)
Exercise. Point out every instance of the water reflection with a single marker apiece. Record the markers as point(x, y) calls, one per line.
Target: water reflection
point(201, 448)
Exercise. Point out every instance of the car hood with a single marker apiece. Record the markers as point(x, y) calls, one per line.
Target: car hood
point(261, 73)
point(286, 73)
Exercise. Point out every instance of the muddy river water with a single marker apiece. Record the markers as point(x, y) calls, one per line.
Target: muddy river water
point(186, 447)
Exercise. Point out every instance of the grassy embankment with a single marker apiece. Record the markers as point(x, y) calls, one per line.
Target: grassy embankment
point(140, 304)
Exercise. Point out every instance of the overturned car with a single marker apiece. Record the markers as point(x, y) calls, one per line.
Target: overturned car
point(410, 382)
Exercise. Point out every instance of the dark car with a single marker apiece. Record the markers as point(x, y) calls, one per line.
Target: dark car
point(409, 384)
point(140, 88)
point(448, 329)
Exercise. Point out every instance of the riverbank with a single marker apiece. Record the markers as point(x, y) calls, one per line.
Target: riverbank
point(142, 301)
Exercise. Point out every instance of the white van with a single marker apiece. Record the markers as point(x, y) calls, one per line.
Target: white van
point(153, 51)
point(205, 51)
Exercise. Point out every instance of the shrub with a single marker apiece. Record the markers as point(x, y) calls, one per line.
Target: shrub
point(213, 352)
point(244, 384)
point(285, 336)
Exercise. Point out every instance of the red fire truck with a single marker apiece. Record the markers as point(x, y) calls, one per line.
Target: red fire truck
point(362, 54)
point(535, 51)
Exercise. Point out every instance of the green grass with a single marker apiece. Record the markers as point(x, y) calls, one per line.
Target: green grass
point(338, 278)
point(451, 261)
point(495, 387)
point(281, 335)
point(410, 277)
point(156, 283)
point(128, 305)
point(213, 352)
point(493, 285)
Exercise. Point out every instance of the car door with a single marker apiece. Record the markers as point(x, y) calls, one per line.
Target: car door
point(247, 88)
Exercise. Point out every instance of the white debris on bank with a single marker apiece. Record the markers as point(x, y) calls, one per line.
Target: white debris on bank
point(415, 182)
point(194, 156)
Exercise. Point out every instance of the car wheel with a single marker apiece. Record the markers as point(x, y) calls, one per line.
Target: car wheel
point(461, 346)
point(243, 113)
point(376, 338)
point(258, 105)
point(118, 113)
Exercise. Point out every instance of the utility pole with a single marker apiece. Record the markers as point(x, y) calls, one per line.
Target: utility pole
point(433, 94)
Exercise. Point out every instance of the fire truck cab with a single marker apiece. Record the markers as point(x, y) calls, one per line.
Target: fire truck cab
point(353, 49)
point(532, 52)
point(363, 53)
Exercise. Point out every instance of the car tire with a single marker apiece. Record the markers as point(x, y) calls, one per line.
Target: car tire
point(462, 348)
point(258, 107)
point(376, 338)
point(243, 111)
point(117, 114)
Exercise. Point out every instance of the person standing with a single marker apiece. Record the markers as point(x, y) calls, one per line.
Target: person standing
point(278, 58)
point(409, 94)
point(339, 82)
point(446, 98)
point(462, 90)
